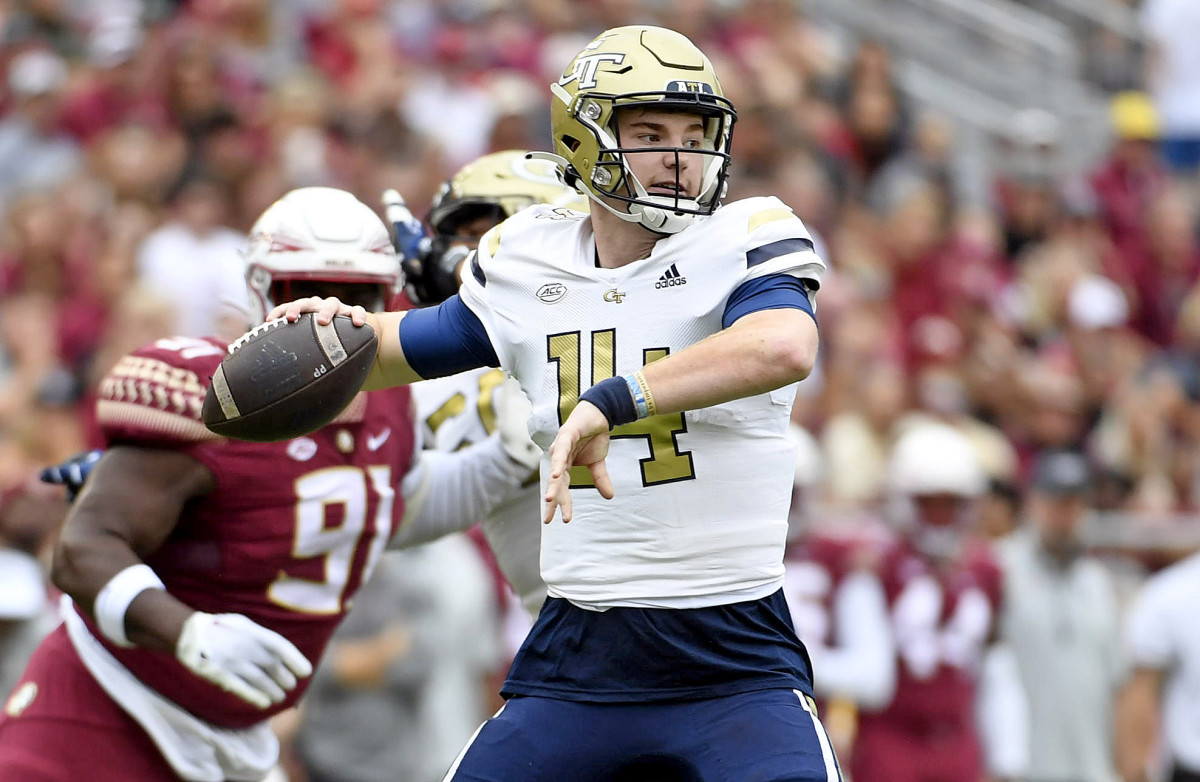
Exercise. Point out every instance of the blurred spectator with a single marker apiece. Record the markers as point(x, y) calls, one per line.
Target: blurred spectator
point(1127, 181)
point(857, 441)
point(195, 261)
point(1060, 620)
point(1171, 266)
point(47, 255)
point(116, 87)
point(1158, 708)
point(1174, 78)
point(34, 153)
point(52, 23)
point(999, 510)
point(25, 618)
point(449, 104)
point(1025, 186)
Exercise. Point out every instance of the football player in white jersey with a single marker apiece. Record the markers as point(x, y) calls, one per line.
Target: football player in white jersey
point(659, 340)
point(459, 410)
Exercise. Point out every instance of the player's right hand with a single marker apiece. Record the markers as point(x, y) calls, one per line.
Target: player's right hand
point(257, 665)
point(73, 472)
point(325, 310)
point(582, 440)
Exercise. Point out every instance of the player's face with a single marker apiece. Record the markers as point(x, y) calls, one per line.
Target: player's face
point(370, 297)
point(667, 172)
point(939, 510)
point(471, 231)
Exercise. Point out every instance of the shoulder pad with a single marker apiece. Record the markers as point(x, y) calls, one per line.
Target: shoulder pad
point(154, 395)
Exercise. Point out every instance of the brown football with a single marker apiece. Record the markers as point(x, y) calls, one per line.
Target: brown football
point(283, 380)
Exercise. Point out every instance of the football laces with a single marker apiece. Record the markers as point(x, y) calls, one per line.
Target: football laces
point(254, 332)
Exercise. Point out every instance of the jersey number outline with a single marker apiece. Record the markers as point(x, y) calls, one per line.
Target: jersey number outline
point(338, 546)
point(457, 405)
point(666, 462)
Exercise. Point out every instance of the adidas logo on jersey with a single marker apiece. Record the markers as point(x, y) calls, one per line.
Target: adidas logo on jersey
point(670, 278)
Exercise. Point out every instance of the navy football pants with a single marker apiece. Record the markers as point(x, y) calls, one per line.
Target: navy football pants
point(763, 736)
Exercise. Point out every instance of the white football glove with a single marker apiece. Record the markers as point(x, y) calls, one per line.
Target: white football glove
point(512, 422)
point(255, 664)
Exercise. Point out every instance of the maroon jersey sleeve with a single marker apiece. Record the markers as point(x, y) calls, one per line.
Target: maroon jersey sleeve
point(153, 396)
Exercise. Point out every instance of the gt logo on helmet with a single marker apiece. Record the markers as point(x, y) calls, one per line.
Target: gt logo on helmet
point(585, 67)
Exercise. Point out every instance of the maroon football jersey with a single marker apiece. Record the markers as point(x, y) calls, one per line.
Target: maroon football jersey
point(291, 530)
point(943, 616)
point(814, 566)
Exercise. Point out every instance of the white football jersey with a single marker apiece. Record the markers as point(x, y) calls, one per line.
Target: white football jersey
point(455, 412)
point(702, 497)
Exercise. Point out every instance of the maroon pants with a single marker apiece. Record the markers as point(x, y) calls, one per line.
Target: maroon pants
point(60, 726)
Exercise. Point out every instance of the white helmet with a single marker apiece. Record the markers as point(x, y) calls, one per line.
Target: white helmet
point(318, 234)
point(935, 458)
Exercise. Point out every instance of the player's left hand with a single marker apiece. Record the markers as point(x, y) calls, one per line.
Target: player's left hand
point(582, 440)
point(73, 472)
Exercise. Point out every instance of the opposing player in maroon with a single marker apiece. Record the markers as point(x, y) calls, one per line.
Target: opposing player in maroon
point(207, 575)
point(943, 591)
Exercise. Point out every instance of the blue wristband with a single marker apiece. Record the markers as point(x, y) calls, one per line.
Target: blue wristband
point(613, 399)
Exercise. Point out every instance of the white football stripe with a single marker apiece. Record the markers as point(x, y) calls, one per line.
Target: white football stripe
point(832, 772)
point(330, 342)
point(224, 396)
point(458, 760)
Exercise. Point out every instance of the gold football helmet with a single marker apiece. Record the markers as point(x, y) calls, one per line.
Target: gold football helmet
point(646, 67)
point(497, 186)
point(481, 195)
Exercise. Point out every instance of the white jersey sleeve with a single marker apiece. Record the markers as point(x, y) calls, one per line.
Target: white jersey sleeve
point(778, 243)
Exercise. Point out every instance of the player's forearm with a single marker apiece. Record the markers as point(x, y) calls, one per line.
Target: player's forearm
point(391, 367)
point(761, 352)
point(1002, 714)
point(84, 563)
point(862, 666)
point(1134, 723)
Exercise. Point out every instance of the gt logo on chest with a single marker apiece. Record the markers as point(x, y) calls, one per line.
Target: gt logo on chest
point(614, 296)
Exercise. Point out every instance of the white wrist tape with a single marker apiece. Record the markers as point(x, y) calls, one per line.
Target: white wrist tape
point(115, 597)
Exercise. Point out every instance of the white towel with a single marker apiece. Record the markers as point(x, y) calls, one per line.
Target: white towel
point(198, 751)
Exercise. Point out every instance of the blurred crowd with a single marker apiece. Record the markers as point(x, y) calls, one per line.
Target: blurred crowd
point(139, 139)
